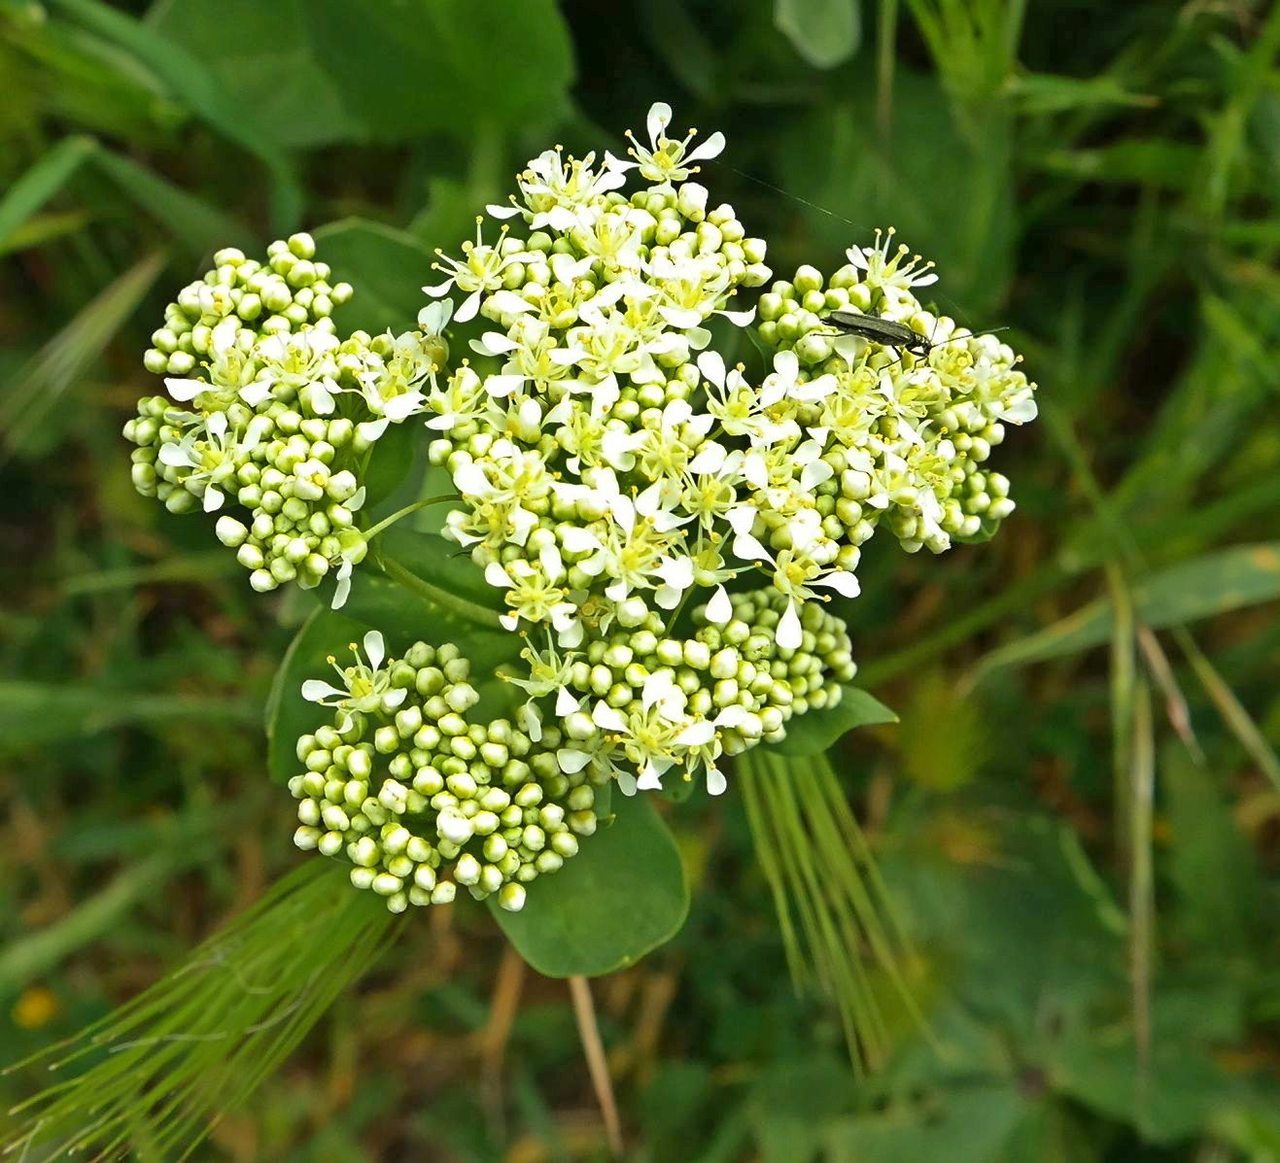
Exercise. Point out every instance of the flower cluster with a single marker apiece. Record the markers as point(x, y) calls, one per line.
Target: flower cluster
point(616, 473)
point(270, 417)
point(419, 797)
point(640, 701)
point(665, 530)
point(905, 430)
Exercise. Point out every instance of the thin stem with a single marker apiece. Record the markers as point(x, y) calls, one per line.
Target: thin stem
point(387, 522)
point(441, 597)
point(584, 1011)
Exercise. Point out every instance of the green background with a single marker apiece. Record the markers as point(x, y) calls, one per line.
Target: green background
point(1102, 178)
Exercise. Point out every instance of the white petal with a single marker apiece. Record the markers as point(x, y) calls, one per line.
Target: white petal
point(697, 734)
point(315, 689)
point(176, 456)
point(711, 365)
point(719, 609)
point(659, 118)
point(790, 634)
point(716, 782)
point(571, 761)
point(842, 581)
point(343, 589)
point(566, 704)
point(607, 718)
point(393, 698)
point(470, 480)
point(375, 649)
point(712, 147)
point(469, 307)
point(749, 548)
point(212, 499)
point(184, 390)
point(495, 575)
point(372, 430)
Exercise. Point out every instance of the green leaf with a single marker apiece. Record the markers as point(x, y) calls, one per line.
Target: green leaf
point(63, 362)
point(393, 457)
point(813, 732)
point(823, 32)
point(1215, 583)
point(473, 63)
point(249, 47)
point(623, 895)
point(33, 714)
point(157, 1073)
point(195, 225)
point(190, 82)
point(41, 182)
point(387, 267)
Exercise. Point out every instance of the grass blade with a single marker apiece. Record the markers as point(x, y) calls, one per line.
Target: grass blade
point(40, 183)
point(62, 361)
point(837, 921)
point(156, 1075)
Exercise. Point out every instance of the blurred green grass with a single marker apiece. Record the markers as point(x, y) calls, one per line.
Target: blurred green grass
point(1078, 813)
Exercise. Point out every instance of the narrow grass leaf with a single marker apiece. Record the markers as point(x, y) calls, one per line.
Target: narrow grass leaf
point(1214, 583)
point(156, 1075)
point(41, 182)
point(837, 922)
point(63, 361)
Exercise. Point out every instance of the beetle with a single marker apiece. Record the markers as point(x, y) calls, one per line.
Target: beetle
point(880, 330)
point(892, 334)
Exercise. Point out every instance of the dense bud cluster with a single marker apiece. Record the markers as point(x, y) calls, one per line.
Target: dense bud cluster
point(281, 414)
point(908, 432)
point(639, 701)
point(419, 797)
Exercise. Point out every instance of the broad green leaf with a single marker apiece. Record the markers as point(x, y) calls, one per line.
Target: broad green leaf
point(262, 55)
point(813, 732)
point(824, 32)
point(621, 896)
point(41, 182)
point(346, 64)
point(393, 457)
point(189, 81)
point(1215, 583)
point(453, 65)
point(387, 267)
point(966, 1124)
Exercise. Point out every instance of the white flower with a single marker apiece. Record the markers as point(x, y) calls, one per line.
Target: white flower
point(881, 270)
point(213, 453)
point(667, 160)
point(480, 269)
point(366, 688)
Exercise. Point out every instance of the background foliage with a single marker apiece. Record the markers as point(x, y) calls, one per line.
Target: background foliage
point(1077, 814)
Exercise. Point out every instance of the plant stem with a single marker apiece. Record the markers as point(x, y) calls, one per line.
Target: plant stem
point(387, 522)
point(441, 597)
point(584, 1011)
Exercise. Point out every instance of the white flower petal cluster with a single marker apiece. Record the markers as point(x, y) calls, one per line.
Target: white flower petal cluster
point(613, 470)
point(902, 434)
point(270, 418)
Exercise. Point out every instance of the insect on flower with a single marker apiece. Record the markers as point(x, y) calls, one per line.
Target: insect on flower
point(893, 334)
